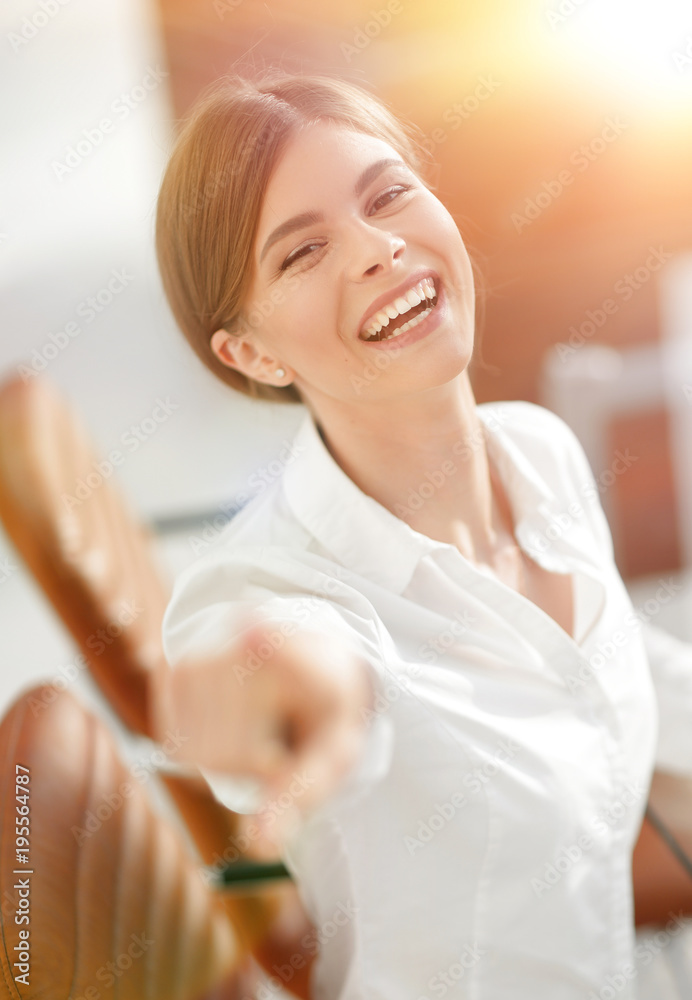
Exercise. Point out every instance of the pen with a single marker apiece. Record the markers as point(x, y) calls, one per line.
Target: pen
point(670, 840)
point(239, 874)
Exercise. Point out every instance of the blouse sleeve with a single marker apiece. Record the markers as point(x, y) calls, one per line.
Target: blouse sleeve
point(670, 660)
point(209, 609)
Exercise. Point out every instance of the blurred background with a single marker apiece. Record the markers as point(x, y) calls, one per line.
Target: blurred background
point(562, 130)
point(562, 133)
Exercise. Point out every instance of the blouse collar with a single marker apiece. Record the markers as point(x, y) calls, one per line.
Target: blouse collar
point(370, 540)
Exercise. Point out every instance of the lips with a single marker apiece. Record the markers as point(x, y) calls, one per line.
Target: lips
point(387, 298)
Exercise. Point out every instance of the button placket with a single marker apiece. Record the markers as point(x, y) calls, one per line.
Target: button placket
point(559, 652)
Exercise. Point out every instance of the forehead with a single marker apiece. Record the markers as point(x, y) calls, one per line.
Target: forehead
point(319, 162)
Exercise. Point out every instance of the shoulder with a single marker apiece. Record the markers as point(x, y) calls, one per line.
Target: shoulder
point(540, 433)
point(265, 518)
point(520, 418)
point(245, 576)
point(556, 455)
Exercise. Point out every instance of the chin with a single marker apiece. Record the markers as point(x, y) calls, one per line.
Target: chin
point(444, 372)
point(454, 358)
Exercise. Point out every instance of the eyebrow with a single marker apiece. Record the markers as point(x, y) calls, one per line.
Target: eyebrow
point(305, 219)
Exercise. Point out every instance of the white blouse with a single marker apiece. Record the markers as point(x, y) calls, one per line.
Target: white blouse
point(481, 847)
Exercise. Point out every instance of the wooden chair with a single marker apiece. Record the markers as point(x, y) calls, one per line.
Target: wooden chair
point(95, 563)
point(112, 903)
point(662, 882)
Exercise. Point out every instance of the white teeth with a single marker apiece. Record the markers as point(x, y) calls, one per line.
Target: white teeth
point(407, 326)
point(413, 297)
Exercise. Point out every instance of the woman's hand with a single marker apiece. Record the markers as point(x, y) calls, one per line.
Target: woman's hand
point(287, 712)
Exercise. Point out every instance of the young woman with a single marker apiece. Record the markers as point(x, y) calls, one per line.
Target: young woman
point(416, 637)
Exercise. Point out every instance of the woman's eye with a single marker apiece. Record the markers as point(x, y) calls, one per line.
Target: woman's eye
point(297, 254)
point(390, 194)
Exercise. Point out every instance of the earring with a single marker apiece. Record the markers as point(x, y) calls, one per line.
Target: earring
point(279, 373)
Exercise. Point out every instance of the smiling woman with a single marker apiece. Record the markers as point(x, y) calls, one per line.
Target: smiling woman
point(211, 197)
point(404, 619)
point(332, 296)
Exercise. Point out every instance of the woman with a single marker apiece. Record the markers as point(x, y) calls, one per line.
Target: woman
point(419, 641)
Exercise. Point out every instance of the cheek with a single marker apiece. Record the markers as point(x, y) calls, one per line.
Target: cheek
point(452, 241)
point(439, 224)
point(453, 235)
point(302, 322)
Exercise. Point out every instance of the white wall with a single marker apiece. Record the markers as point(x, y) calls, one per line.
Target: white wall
point(62, 234)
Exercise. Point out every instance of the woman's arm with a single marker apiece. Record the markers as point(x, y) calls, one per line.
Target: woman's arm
point(301, 711)
point(670, 660)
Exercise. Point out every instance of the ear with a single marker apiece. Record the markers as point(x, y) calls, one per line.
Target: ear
point(246, 355)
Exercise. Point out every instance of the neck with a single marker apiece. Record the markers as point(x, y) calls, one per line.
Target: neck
point(425, 463)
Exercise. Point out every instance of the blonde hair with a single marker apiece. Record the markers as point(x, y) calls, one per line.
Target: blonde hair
point(212, 189)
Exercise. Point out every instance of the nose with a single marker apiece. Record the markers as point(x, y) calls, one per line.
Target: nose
point(373, 250)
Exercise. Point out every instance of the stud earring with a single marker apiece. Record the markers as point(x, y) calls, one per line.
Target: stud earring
point(279, 373)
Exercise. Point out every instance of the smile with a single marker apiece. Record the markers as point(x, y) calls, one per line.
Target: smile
point(389, 322)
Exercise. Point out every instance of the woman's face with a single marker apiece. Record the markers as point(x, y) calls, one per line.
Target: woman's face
point(346, 228)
